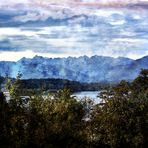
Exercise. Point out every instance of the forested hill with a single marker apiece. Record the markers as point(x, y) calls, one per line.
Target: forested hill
point(57, 84)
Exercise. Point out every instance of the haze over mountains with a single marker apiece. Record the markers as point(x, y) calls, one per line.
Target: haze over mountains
point(83, 69)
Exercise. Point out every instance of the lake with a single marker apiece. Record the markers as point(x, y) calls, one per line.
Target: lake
point(89, 94)
point(79, 95)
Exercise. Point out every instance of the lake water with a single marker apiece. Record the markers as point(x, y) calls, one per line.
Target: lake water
point(80, 95)
point(89, 94)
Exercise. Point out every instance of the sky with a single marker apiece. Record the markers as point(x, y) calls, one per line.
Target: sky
point(62, 28)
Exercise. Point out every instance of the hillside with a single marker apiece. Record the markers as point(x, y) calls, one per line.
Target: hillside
point(82, 69)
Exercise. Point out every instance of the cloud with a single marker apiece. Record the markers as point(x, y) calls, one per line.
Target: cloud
point(73, 28)
point(49, 14)
point(77, 3)
point(57, 41)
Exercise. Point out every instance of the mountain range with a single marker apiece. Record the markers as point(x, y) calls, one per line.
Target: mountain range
point(82, 69)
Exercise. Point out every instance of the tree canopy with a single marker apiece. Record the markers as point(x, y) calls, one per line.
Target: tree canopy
point(60, 120)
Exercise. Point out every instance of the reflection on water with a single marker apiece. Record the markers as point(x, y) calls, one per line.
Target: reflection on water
point(89, 94)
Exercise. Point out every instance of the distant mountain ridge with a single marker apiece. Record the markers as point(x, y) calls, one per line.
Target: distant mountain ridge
point(83, 69)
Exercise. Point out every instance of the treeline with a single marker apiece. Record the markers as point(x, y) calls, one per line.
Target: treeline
point(120, 120)
point(57, 84)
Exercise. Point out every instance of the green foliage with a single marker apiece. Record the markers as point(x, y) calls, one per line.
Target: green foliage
point(122, 121)
point(13, 85)
point(59, 120)
point(140, 84)
point(4, 119)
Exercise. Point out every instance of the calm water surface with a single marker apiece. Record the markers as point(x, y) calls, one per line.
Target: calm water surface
point(89, 94)
point(79, 95)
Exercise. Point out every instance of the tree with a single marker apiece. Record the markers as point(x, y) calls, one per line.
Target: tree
point(4, 121)
point(122, 120)
point(140, 84)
